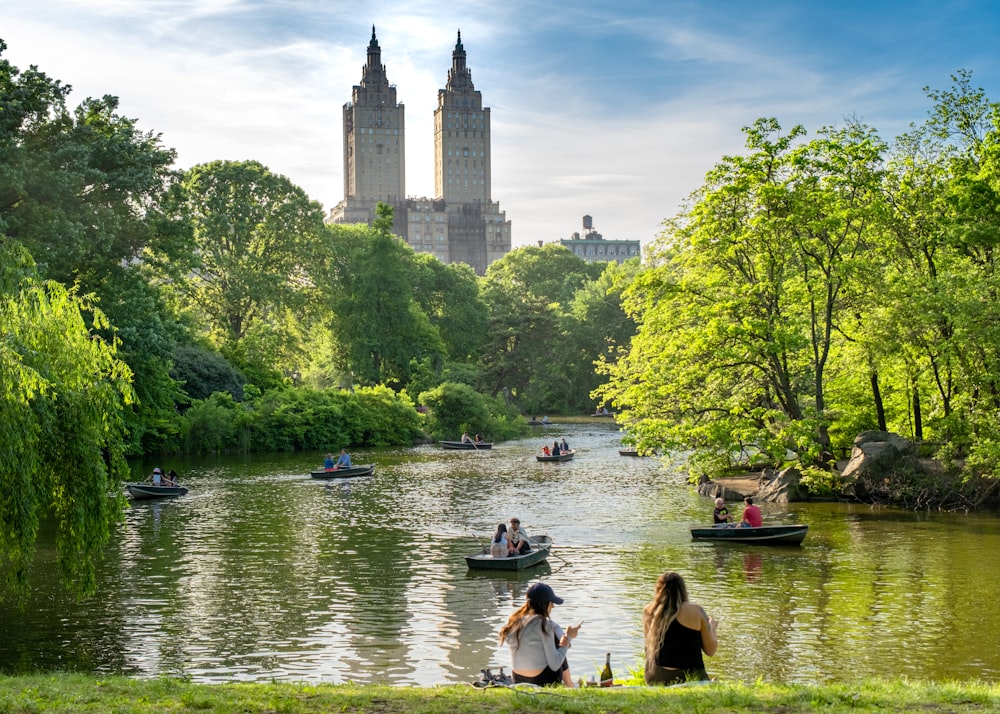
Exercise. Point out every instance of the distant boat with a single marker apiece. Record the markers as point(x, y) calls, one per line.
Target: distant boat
point(466, 445)
point(603, 414)
point(145, 491)
point(349, 472)
point(540, 546)
point(628, 452)
point(561, 456)
point(765, 535)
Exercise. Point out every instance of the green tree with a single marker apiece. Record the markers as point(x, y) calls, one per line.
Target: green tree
point(80, 189)
point(377, 325)
point(83, 190)
point(944, 183)
point(256, 234)
point(62, 396)
point(738, 318)
point(529, 355)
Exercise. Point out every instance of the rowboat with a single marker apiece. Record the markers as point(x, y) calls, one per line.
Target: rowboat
point(349, 472)
point(141, 491)
point(561, 456)
point(765, 535)
point(466, 445)
point(540, 546)
point(628, 452)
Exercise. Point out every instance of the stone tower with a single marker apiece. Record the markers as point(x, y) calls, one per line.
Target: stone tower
point(374, 146)
point(461, 137)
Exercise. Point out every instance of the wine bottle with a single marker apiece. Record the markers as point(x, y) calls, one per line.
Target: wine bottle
point(607, 679)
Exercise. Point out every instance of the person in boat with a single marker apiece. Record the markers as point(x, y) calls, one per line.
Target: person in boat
point(545, 419)
point(465, 438)
point(546, 451)
point(676, 633)
point(479, 439)
point(500, 546)
point(171, 478)
point(328, 462)
point(555, 448)
point(721, 514)
point(156, 478)
point(563, 446)
point(538, 646)
point(751, 515)
point(343, 461)
point(520, 542)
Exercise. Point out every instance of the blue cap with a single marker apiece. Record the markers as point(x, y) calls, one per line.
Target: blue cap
point(541, 593)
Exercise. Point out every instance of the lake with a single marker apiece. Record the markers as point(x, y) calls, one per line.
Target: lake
point(261, 573)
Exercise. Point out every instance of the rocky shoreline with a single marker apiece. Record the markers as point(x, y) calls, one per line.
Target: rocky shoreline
point(883, 469)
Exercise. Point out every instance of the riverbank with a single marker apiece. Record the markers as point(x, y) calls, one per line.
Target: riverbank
point(81, 694)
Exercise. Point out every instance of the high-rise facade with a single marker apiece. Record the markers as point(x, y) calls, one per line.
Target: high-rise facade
point(461, 137)
point(374, 135)
point(461, 223)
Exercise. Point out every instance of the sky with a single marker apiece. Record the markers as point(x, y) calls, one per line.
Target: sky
point(615, 110)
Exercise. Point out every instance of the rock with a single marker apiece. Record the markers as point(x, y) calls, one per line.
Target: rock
point(876, 459)
point(783, 487)
point(730, 489)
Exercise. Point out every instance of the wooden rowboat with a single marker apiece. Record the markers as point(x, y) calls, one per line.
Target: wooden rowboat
point(466, 445)
point(540, 547)
point(561, 456)
point(359, 470)
point(765, 535)
point(628, 452)
point(141, 491)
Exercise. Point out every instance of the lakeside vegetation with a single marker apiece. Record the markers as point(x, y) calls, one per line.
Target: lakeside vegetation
point(80, 694)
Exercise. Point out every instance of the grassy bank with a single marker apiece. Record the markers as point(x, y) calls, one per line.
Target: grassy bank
point(81, 694)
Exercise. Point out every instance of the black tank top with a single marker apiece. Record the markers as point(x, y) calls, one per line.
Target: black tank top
point(681, 648)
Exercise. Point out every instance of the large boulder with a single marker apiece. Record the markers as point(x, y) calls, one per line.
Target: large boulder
point(877, 459)
point(782, 487)
point(767, 485)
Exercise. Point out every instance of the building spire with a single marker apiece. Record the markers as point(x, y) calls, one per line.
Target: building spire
point(459, 76)
point(374, 71)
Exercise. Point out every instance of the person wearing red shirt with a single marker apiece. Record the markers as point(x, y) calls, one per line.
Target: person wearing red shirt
point(751, 515)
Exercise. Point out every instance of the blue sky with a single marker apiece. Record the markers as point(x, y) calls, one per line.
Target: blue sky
point(612, 109)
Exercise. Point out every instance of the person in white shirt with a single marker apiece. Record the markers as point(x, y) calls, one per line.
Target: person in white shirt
point(537, 644)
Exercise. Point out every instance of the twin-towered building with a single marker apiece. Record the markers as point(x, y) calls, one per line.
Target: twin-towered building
point(462, 223)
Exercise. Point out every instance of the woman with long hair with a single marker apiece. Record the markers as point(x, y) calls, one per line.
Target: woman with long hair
point(676, 631)
point(500, 548)
point(538, 645)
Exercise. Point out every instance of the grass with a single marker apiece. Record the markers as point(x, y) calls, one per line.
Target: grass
point(81, 694)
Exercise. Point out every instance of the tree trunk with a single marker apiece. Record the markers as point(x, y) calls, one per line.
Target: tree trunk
point(918, 424)
point(877, 397)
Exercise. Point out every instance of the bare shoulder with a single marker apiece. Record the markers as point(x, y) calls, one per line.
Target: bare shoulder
point(691, 615)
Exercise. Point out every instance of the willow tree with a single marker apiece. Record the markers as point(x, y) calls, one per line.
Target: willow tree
point(740, 311)
point(62, 396)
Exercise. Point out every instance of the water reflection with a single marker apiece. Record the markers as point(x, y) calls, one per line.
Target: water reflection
point(262, 573)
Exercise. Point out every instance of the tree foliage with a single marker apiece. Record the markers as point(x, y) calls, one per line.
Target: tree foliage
point(63, 392)
point(256, 234)
point(815, 287)
point(378, 326)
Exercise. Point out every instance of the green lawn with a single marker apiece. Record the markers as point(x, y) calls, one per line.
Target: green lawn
point(81, 694)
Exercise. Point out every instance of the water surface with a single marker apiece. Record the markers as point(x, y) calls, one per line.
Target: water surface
point(263, 573)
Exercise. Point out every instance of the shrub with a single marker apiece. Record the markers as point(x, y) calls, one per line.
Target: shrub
point(203, 372)
point(210, 425)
